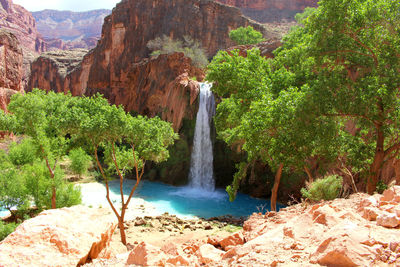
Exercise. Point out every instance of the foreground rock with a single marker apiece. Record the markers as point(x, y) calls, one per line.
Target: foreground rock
point(331, 233)
point(62, 237)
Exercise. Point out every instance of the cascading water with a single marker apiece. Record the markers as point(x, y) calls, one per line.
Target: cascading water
point(201, 167)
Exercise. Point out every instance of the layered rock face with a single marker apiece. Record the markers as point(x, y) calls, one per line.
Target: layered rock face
point(271, 10)
point(11, 72)
point(69, 30)
point(21, 23)
point(50, 69)
point(60, 237)
point(11, 60)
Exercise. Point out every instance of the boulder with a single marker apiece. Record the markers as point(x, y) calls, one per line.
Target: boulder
point(371, 213)
point(208, 254)
point(146, 255)
point(391, 194)
point(389, 220)
point(232, 240)
point(59, 237)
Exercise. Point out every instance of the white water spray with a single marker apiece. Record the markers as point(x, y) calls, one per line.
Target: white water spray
point(201, 167)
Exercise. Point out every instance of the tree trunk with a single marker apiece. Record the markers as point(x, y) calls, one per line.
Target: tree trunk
point(397, 170)
point(275, 188)
point(376, 166)
point(53, 197)
point(310, 177)
point(122, 230)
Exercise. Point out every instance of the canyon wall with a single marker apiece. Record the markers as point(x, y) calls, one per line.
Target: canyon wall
point(69, 30)
point(21, 23)
point(271, 10)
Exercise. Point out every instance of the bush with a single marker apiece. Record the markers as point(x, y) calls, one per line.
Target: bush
point(244, 36)
point(327, 188)
point(80, 161)
point(191, 48)
point(39, 186)
point(22, 153)
point(13, 193)
point(6, 229)
point(381, 186)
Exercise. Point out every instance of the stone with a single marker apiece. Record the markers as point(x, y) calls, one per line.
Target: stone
point(208, 254)
point(47, 240)
point(270, 10)
point(146, 255)
point(178, 261)
point(341, 251)
point(389, 220)
point(232, 240)
point(370, 213)
point(323, 214)
point(11, 62)
point(391, 194)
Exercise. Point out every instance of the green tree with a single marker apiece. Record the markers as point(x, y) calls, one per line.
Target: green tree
point(23, 153)
point(108, 126)
point(261, 118)
point(191, 48)
point(244, 36)
point(40, 116)
point(80, 161)
point(13, 193)
point(348, 52)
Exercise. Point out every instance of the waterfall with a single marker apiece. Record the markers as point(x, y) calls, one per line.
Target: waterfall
point(201, 166)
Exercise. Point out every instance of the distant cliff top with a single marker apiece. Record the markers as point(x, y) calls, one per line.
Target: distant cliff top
point(69, 25)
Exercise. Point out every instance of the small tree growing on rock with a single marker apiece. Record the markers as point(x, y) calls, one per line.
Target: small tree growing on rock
point(108, 126)
point(245, 36)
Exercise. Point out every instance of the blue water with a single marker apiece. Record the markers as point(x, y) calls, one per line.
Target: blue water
point(186, 201)
point(3, 213)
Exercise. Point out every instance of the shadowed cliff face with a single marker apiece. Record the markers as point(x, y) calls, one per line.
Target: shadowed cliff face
point(271, 10)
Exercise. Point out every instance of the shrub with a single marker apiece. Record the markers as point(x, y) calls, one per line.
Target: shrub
point(22, 153)
point(381, 186)
point(327, 188)
point(13, 193)
point(6, 229)
point(39, 186)
point(244, 36)
point(80, 161)
point(191, 48)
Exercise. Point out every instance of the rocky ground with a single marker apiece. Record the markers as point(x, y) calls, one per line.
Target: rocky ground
point(360, 231)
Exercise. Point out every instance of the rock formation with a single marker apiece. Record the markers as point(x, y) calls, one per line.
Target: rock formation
point(117, 66)
point(50, 69)
point(11, 60)
point(69, 30)
point(360, 231)
point(20, 22)
point(60, 237)
point(271, 10)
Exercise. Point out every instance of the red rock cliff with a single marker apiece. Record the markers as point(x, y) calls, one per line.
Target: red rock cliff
point(271, 10)
point(116, 67)
point(21, 23)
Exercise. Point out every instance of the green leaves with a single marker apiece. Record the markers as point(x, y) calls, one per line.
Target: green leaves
point(244, 36)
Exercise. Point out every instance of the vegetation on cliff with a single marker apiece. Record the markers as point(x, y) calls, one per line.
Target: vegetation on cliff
point(339, 68)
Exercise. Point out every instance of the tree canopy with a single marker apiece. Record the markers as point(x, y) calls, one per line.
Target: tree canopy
point(246, 35)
